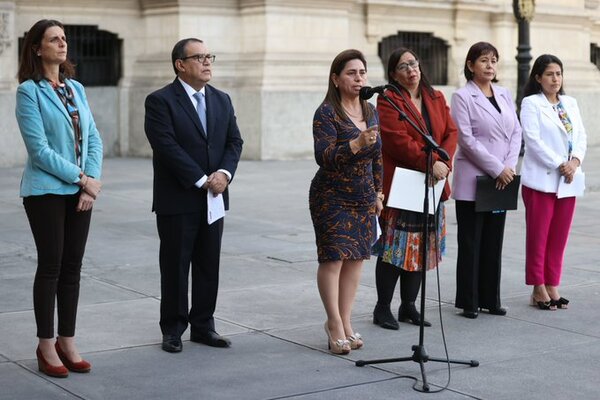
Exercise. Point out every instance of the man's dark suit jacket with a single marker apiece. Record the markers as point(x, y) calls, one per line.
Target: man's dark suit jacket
point(182, 151)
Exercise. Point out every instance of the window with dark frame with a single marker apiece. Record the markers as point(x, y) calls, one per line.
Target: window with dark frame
point(96, 54)
point(432, 52)
point(595, 54)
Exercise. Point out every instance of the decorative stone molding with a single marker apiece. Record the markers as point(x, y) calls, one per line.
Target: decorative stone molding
point(163, 4)
point(331, 4)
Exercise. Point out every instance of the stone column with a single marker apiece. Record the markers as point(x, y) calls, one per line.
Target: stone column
point(8, 42)
point(283, 68)
point(12, 150)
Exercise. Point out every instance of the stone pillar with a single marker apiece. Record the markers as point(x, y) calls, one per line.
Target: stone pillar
point(12, 150)
point(283, 68)
point(8, 42)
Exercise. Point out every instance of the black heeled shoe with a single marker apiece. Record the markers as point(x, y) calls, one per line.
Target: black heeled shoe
point(495, 311)
point(382, 316)
point(469, 314)
point(408, 313)
point(543, 305)
point(561, 303)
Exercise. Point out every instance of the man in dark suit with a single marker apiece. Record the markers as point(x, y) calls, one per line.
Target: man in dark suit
point(196, 145)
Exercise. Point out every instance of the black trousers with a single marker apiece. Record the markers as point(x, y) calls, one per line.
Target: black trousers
point(386, 276)
point(185, 239)
point(479, 261)
point(60, 234)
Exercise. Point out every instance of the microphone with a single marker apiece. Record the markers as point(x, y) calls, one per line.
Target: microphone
point(366, 92)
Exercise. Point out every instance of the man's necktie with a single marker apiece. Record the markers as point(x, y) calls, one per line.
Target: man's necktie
point(201, 109)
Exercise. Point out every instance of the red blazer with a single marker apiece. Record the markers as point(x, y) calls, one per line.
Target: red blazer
point(402, 144)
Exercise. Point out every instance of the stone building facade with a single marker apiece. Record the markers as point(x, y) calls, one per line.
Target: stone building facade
point(273, 56)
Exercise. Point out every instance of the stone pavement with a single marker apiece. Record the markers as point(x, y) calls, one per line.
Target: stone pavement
point(270, 308)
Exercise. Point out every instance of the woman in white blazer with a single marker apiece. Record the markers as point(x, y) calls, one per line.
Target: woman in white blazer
point(555, 145)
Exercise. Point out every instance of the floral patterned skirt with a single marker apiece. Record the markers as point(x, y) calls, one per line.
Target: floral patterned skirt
point(401, 239)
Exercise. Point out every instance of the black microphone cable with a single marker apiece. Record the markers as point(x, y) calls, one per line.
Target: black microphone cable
point(439, 299)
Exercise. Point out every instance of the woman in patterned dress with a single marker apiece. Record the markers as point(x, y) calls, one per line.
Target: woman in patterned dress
point(400, 247)
point(345, 194)
point(555, 145)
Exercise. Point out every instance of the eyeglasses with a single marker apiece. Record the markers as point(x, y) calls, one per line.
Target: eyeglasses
point(201, 58)
point(414, 64)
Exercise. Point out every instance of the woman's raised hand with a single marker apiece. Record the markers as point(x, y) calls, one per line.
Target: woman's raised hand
point(368, 137)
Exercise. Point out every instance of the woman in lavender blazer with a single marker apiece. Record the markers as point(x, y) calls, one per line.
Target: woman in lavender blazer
point(489, 140)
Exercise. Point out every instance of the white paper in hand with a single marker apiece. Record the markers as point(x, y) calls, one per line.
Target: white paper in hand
point(215, 207)
point(573, 189)
point(408, 191)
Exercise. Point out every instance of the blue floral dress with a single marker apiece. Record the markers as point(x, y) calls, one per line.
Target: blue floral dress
point(343, 191)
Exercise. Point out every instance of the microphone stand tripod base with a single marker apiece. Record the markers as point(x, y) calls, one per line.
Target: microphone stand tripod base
point(419, 356)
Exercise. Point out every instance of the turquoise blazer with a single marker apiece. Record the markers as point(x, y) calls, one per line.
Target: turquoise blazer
point(48, 134)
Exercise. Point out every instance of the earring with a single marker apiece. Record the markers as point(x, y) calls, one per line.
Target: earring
point(39, 54)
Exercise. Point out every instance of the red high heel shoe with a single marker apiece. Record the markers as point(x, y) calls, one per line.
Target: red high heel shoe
point(80, 366)
point(56, 371)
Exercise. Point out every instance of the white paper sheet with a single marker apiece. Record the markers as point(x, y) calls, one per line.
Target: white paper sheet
point(408, 191)
point(215, 206)
point(573, 189)
point(376, 231)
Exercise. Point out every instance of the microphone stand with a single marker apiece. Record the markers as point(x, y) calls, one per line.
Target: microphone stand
point(419, 352)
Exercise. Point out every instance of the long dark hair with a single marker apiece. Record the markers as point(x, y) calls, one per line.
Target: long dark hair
point(333, 96)
point(393, 63)
point(539, 66)
point(476, 51)
point(30, 64)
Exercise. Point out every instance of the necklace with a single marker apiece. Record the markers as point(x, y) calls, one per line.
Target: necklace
point(352, 115)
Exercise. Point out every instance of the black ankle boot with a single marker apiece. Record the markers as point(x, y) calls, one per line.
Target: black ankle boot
point(382, 316)
point(408, 313)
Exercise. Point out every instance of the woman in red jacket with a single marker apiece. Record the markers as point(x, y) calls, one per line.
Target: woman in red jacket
point(399, 247)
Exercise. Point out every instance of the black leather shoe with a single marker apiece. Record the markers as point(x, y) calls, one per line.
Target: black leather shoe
point(171, 344)
point(210, 338)
point(469, 314)
point(496, 311)
point(408, 313)
point(382, 316)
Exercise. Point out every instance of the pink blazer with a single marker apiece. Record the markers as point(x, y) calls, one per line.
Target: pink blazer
point(488, 141)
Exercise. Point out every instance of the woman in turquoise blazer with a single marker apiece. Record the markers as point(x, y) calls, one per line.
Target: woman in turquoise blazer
point(59, 186)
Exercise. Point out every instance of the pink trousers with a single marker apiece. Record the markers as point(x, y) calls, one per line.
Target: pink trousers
point(548, 224)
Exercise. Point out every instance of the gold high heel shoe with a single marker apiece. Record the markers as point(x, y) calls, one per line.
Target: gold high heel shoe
point(356, 341)
point(340, 346)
